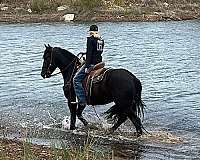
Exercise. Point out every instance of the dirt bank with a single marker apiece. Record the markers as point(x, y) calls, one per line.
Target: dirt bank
point(26, 11)
point(17, 150)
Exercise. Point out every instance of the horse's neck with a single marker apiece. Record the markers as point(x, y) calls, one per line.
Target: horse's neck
point(66, 63)
point(68, 71)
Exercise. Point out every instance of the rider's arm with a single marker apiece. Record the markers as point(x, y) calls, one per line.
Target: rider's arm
point(89, 52)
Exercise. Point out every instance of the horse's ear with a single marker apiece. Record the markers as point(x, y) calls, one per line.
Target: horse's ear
point(49, 45)
point(45, 45)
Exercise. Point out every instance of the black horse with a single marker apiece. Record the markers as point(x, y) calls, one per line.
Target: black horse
point(118, 86)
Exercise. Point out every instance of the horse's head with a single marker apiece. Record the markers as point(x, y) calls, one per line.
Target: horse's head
point(48, 64)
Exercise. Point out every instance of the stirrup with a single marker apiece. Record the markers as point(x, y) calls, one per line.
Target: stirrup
point(82, 104)
point(74, 102)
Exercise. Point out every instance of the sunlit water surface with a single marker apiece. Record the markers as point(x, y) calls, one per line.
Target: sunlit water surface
point(165, 56)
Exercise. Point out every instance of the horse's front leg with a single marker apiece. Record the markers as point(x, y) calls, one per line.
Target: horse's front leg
point(71, 97)
point(79, 114)
point(72, 108)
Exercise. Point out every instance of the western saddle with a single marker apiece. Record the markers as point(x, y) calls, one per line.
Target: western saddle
point(95, 75)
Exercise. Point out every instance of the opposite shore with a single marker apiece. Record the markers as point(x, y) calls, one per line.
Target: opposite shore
point(27, 11)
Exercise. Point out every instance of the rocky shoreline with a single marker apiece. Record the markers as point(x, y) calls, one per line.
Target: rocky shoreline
point(22, 13)
point(57, 17)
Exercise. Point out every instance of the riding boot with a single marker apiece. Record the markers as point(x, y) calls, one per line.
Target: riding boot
point(80, 109)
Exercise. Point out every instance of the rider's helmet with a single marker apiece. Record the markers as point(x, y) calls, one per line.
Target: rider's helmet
point(93, 28)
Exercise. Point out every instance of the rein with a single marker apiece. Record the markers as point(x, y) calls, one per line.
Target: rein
point(74, 60)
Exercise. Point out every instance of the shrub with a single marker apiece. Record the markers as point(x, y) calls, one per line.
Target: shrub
point(40, 6)
point(90, 4)
point(119, 2)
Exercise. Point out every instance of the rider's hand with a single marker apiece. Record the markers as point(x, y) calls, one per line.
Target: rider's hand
point(87, 70)
point(81, 53)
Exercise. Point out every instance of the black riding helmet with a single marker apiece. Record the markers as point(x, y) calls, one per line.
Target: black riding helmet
point(93, 28)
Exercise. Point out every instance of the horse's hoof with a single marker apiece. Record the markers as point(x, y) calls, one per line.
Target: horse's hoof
point(137, 134)
point(85, 123)
point(72, 128)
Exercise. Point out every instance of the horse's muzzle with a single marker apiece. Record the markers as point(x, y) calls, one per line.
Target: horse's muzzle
point(43, 75)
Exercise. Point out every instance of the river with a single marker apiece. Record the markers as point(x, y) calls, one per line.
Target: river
point(165, 56)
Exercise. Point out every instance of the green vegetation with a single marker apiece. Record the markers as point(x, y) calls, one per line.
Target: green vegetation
point(90, 4)
point(99, 10)
point(27, 151)
point(119, 2)
point(39, 6)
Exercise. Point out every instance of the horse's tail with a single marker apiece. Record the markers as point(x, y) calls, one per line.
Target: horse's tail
point(115, 112)
point(138, 100)
point(137, 105)
point(140, 105)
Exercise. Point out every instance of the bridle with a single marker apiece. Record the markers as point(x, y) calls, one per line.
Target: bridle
point(65, 68)
point(51, 60)
point(67, 84)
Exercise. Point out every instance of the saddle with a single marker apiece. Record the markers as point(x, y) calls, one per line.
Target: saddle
point(95, 75)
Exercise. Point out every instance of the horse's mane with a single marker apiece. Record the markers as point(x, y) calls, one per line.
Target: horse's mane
point(65, 52)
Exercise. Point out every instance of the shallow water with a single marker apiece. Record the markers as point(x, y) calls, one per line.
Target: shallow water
point(163, 55)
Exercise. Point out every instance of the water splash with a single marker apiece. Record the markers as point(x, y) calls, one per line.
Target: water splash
point(163, 137)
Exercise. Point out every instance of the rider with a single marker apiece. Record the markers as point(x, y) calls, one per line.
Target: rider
point(93, 53)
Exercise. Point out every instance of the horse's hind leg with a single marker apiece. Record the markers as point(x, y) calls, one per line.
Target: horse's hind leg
point(136, 121)
point(79, 114)
point(121, 119)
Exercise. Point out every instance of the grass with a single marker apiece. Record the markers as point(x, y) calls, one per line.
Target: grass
point(40, 6)
point(119, 2)
point(131, 7)
point(90, 4)
point(27, 151)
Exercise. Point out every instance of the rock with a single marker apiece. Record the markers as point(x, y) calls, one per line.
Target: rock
point(68, 17)
point(29, 10)
point(4, 8)
point(159, 13)
point(62, 8)
point(166, 4)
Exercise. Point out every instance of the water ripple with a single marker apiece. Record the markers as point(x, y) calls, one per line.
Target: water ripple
point(163, 55)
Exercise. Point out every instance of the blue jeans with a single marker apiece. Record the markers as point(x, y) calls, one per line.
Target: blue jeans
point(78, 87)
